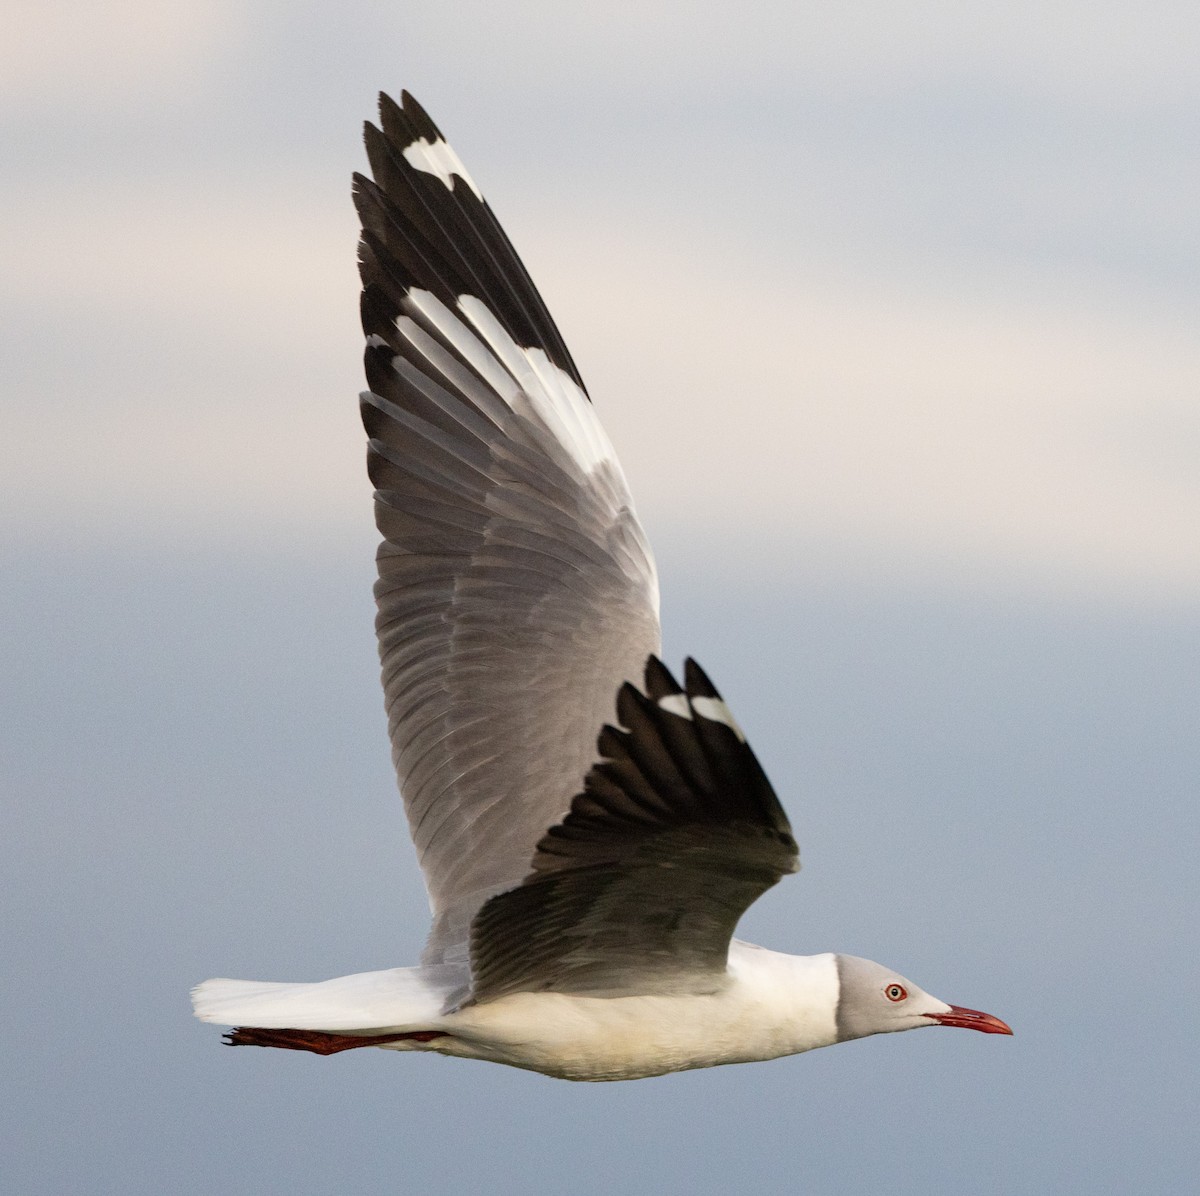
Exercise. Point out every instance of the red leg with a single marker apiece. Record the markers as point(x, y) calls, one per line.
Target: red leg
point(317, 1041)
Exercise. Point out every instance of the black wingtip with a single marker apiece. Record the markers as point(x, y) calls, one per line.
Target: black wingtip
point(659, 683)
point(630, 701)
point(432, 229)
point(407, 116)
point(697, 682)
point(387, 105)
point(412, 107)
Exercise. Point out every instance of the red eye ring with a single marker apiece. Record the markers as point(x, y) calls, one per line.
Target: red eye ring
point(895, 992)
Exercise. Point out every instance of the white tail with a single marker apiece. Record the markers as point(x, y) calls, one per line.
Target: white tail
point(396, 999)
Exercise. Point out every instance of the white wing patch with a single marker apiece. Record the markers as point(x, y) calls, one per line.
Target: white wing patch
point(511, 372)
point(716, 711)
point(676, 704)
point(462, 340)
point(556, 399)
point(438, 159)
point(712, 709)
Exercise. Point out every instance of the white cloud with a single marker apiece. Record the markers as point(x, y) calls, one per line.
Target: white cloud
point(196, 353)
point(198, 366)
point(255, 258)
point(80, 54)
point(1030, 433)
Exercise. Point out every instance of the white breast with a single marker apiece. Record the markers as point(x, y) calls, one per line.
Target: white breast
point(775, 1005)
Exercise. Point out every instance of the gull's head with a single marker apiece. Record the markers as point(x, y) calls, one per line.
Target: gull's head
point(873, 999)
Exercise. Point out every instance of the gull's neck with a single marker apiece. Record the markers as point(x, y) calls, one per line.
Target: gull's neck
point(792, 999)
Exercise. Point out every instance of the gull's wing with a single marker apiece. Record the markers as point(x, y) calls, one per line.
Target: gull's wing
point(639, 888)
point(516, 590)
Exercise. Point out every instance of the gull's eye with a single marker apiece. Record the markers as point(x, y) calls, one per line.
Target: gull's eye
point(895, 992)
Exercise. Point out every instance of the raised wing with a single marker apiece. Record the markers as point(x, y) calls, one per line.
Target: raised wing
point(638, 890)
point(516, 590)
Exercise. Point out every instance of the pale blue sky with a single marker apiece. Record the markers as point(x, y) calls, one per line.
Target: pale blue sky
point(892, 319)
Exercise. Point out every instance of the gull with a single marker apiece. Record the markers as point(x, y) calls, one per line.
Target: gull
point(584, 890)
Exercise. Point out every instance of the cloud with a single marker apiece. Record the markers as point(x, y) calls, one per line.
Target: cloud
point(76, 54)
point(1030, 432)
point(864, 417)
point(900, 333)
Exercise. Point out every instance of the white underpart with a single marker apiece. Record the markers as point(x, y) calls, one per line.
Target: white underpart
point(772, 1005)
point(716, 710)
point(438, 159)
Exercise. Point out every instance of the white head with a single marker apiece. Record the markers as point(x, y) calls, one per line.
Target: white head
point(873, 999)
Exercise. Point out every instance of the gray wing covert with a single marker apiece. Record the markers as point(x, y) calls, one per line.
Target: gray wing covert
point(516, 590)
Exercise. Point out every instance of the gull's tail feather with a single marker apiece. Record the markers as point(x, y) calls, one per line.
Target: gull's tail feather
point(399, 999)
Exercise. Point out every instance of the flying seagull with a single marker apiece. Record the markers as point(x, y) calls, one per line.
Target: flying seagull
point(584, 892)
